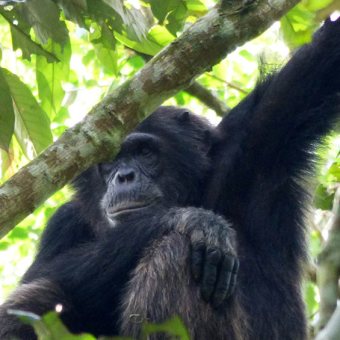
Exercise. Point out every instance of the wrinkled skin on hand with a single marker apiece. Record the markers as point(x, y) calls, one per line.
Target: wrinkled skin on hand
point(214, 263)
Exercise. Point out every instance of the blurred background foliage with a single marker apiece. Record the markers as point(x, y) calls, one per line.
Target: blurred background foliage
point(58, 58)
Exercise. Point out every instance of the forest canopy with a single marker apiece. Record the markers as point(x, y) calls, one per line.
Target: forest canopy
point(59, 58)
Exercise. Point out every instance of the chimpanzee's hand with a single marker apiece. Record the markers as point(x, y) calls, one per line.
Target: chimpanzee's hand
point(213, 255)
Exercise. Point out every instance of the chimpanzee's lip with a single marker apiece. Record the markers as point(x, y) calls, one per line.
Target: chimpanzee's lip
point(126, 207)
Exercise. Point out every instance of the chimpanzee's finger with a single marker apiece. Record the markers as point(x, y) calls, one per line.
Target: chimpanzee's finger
point(197, 253)
point(211, 263)
point(197, 258)
point(233, 277)
point(222, 287)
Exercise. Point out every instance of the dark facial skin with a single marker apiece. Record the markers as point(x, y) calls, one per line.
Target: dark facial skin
point(131, 179)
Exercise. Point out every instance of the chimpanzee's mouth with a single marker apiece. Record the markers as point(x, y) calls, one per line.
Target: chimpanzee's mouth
point(126, 207)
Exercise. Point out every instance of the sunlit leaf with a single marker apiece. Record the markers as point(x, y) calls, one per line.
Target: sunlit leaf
point(297, 26)
point(173, 327)
point(176, 18)
point(334, 170)
point(136, 22)
point(323, 199)
point(107, 58)
point(247, 55)
point(160, 35)
point(57, 329)
point(316, 5)
point(146, 46)
point(74, 10)
point(49, 326)
point(44, 18)
point(310, 297)
point(28, 46)
point(19, 233)
point(31, 122)
point(6, 113)
point(196, 7)
point(4, 245)
point(5, 162)
point(21, 38)
point(171, 13)
point(50, 77)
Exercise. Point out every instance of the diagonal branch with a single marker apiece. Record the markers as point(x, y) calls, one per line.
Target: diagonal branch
point(96, 138)
point(207, 98)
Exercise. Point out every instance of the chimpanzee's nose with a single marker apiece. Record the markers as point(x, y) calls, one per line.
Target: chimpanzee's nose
point(124, 176)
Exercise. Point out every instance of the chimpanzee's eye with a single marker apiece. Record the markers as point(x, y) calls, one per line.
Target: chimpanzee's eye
point(146, 151)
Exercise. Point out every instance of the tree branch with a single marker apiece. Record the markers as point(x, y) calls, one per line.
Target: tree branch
point(97, 137)
point(332, 329)
point(207, 98)
point(329, 269)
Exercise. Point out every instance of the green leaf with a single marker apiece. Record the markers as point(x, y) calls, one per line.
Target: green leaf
point(162, 8)
point(88, 57)
point(316, 5)
point(49, 326)
point(107, 58)
point(31, 122)
point(44, 18)
point(196, 7)
point(6, 114)
point(247, 55)
point(19, 233)
point(104, 43)
point(146, 46)
point(50, 77)
point(28, 46)
point(4, 245)
point(323, 199)
point(104, 36)
point(310, 297)
point(57, 330)
point(21, 38)
point(334, 170)
point(298, 26)
point(174, 327)
point(74, 10)
point(135, 21)
point(176, 18)
point(5, 162)
point(172, 13)
point(160, 35)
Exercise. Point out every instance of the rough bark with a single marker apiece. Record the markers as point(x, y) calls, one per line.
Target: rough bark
point(96, 138)
point(328, 275)
point(332, 329)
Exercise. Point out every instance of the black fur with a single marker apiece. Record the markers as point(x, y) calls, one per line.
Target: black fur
point(92, 244)
point(172, 259)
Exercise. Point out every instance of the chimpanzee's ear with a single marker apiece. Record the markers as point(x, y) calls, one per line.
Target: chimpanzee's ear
point(210, 138)
point(183, 116)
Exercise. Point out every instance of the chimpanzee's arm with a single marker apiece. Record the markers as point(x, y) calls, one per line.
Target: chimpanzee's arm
point(87, 280)
point(90, 280)
point(74, 223)
point(267, 145)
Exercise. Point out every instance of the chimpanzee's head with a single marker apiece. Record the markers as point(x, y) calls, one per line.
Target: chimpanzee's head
point(163, 162)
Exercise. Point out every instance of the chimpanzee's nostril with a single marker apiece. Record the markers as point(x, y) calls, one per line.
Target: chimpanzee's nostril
point(125, 176)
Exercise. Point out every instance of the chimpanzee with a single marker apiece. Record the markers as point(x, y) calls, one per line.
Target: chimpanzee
point(147, 237)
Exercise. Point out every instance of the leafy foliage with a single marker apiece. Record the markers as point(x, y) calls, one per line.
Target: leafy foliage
point(59, 57)
point(49, 327)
